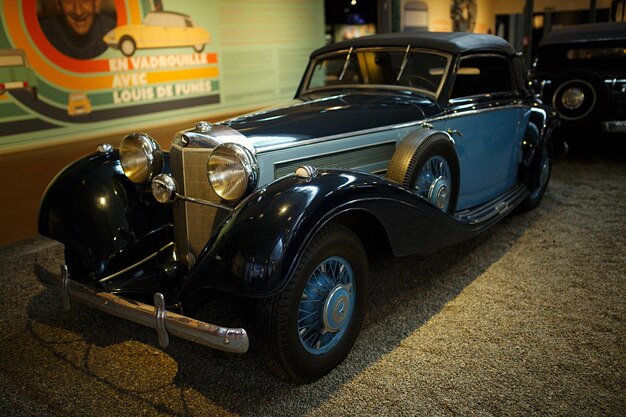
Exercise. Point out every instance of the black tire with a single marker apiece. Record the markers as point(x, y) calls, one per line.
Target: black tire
point(540, 172)
point(281, 318)
point(198, 48)
point(127, 46)
point(594, 104)
point(413, 154)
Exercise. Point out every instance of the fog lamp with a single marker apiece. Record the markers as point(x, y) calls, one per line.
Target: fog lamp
point(163, 188)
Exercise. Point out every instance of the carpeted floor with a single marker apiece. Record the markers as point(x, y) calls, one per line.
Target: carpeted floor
point(527, 319)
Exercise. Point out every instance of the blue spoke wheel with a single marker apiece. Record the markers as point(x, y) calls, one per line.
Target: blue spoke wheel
point(326, 305)
point(310, 327)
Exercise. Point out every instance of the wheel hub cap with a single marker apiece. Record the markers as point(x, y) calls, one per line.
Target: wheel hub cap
point(573, 98)
point(438, 194)
point(433, 182)
point(326, 305)
point(336, 308)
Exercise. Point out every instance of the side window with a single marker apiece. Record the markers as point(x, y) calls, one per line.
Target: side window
point(479, 75)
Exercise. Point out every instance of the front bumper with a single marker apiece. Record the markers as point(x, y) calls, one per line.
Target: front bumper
point(233, 340)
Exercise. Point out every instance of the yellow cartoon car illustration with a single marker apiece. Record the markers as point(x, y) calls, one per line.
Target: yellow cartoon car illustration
point(158, 30)
point(77, 104)
point(15, 73)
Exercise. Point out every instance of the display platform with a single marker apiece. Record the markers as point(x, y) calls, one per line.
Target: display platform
point(525, 319)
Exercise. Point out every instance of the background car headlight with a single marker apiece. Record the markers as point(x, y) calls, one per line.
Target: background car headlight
point(232, 171)
point(141, 157)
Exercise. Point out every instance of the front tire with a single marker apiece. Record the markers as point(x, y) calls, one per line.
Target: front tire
point(311, 325)
point(127, 46)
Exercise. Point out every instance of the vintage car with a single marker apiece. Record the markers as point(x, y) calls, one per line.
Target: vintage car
point(15, 73)
point(395, 143)
point(581, 72)
point(158, 30)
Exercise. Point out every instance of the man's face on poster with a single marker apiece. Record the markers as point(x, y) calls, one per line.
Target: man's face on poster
point(79, 14)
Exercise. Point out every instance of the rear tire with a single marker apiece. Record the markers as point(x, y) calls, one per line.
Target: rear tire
point(538, 182)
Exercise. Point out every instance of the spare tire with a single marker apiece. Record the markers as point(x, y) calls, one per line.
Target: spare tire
point(426, 162)
point(579, 97)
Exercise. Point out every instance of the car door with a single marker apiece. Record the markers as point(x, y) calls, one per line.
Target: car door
point(484, 117)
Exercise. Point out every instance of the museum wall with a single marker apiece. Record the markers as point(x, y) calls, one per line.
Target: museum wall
point(238, 55)
point(516, 6)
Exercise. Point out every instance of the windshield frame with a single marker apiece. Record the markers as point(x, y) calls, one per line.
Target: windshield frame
point(304, 88)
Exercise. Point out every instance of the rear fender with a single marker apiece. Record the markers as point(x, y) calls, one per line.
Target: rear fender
point(106, 222)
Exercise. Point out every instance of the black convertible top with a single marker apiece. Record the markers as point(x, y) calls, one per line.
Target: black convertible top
point(452, 42)
point(586, 33)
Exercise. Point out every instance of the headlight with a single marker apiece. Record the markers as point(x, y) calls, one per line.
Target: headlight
point(232, 171)
point(141, 157)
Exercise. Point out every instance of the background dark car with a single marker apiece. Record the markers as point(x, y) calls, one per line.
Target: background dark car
point(581, 72)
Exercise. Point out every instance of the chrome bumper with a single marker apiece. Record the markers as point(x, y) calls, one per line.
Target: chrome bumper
point(233, 340)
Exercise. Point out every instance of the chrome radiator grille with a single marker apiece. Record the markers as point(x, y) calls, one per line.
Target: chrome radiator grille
point(193, 223)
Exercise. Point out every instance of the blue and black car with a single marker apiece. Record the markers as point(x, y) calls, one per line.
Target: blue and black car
point(397, 143)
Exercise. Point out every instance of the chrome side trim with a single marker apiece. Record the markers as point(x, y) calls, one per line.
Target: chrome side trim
point(418, 123)
point(136, 264)
point(234, 340)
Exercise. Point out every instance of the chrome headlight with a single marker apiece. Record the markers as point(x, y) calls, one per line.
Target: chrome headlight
point(141, 157)
point(232, 171)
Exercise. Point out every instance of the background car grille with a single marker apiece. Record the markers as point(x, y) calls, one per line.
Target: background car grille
point(193, 223)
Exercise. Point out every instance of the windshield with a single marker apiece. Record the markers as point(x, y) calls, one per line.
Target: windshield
point(416, 69)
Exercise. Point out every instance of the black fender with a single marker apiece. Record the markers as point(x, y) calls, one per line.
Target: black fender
point(254, 252)
point(105, 221)
point(540, 133)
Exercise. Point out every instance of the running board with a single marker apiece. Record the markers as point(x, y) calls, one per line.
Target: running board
point(499, 206)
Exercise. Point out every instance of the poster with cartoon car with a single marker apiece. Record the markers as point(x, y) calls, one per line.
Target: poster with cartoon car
point(77, 104)
point(158, 30)
point(15, 73)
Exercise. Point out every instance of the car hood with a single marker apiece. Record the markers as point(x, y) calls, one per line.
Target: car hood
point(323, 116)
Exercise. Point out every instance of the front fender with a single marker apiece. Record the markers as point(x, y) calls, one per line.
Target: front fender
point(255, 250)
point(105, 221)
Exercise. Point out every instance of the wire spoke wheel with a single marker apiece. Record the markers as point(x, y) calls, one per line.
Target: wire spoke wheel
point(433, 182)
point(310, 326)
point(326, 305)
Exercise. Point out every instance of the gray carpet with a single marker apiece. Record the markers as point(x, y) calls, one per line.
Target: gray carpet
point(526, 319)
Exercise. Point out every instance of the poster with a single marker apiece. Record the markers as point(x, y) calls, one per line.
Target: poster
point(72, 69)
